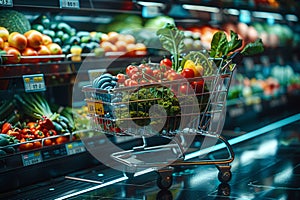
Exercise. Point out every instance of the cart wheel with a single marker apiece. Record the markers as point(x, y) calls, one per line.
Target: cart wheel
point(224, 176)
point(164, 195)
point(164, 180)
point(224, 189)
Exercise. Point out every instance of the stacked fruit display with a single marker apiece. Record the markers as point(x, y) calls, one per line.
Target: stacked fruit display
point(30, 47)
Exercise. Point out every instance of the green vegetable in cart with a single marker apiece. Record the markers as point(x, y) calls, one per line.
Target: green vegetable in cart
point(172, 40)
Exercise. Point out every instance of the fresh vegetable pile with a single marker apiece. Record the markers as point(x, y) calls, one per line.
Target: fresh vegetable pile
point(166, 83)
point(28, 122)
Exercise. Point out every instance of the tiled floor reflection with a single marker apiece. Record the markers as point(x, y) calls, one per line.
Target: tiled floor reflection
point(266, 167)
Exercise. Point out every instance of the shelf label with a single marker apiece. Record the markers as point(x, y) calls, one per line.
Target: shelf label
point(72, 4)
point(34, 83)
point(75, 147)
point(32, 158)
point(237, 111)
point(6, 3)
point(95, 107)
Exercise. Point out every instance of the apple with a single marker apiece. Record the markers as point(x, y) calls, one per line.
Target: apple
point(34, 38)
point(15, 55)
point(46, 39)
point(4, 33)
point(1, 43)
point(28, 51)
point(42, 51)
point(54, 49)
point(17, 40)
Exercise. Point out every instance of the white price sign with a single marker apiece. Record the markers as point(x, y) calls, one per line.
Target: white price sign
point(32, 158)
point(34, 83)
point(8, 3)
point(75, 147)
point(69, 4)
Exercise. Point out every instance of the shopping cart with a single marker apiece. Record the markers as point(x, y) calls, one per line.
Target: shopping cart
point(134, 111)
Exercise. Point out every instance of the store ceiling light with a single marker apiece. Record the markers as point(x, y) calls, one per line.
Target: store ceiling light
point(292, 18)
point(232, 11)
point(150, 4)
point(267, 15)
point(201, 8)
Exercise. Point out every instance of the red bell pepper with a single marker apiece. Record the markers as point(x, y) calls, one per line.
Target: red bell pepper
point(6, 127)
point(45, 122)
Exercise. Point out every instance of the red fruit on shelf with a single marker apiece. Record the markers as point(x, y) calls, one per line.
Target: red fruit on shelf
point(34, 38)
point(14, 55)
point(17, 40)
point(29, 52)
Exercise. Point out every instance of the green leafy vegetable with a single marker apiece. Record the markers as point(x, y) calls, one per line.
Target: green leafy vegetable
point(172, 40)
point(219, 45)
point(222, 48)
point(253, 48)
point(235, 43)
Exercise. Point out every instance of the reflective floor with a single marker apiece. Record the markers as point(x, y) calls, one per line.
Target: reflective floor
point(266, 166)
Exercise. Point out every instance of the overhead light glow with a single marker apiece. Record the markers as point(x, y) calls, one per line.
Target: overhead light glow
point(292, 18)
point(201, 8)
point(267, 15)
point(232, 11)
point(150, 4)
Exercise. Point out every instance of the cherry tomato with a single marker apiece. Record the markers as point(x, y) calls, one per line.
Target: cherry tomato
point(136, 76)
point(37, 144)
point(61, 140)
point(121, 78)
point(173, 76)
point(166, 62)
point(130, 82)
point(148, 71)
point(198, 86)
point(48, 142)
point(166, 73)
point(157, 73)
point(143, 81)
point(131, 69)
point(185, 89)
point(187, 73)
point(26, 146)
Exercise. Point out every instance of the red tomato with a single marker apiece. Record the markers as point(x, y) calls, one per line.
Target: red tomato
point(198, 86)
point(143, 81)
point(130, 68)
point(187, 73)
point(166, 73)
point(157, 73)
point(173, 76)
point(147, 70)
point(166, 62)
point(130, 82)
point(185, 89)
point(121, 78)
point(136, 76)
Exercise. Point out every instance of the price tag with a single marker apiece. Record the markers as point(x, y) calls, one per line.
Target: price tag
point(237, 111)
point(34, 83)
point(72, 4)
point(75, 147)
point(7, 3)
point(150, 11)
point(32, 158)
point(95, 107)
